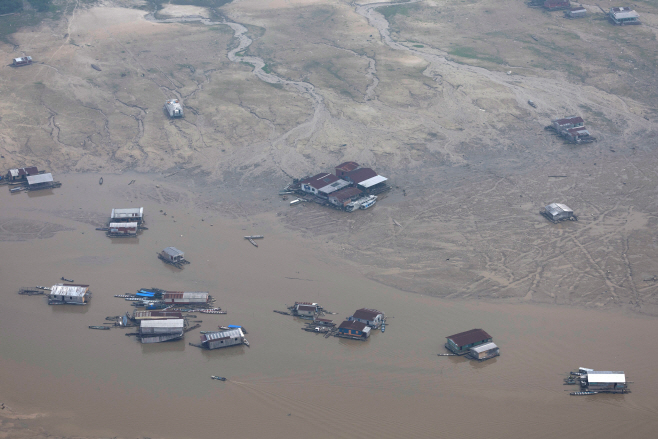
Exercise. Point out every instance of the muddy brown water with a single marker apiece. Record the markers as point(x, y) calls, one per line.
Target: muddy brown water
point(289, 382)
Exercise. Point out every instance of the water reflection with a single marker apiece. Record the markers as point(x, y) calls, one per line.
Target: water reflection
point(482, 364)
point(167, 346)
point(231, 351)
point(69, 309)
point(124, 240)
point(41, 193)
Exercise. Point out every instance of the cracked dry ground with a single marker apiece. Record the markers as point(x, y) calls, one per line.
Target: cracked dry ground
point(418, 90)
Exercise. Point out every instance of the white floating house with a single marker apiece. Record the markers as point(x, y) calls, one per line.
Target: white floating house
point(172, 254)
point(484, 351)
point(73, 294)
point(40, 181)
point(605, 382)
point(135, 214)
point(222, 339)
point(558, 212)
point(157, 331)
point(174, 108)
point(370, 317)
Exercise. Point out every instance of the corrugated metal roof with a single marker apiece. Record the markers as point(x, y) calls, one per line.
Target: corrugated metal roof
point(606, 377)
point(335, 186)
point(136, 212)
point(306, 308)
point(231, 333)
point(346, 193)
point(621, 13)
point(468, 337)
point(154, 315)
point(361, 175)
point(366, 314)
point(69, 290)
point(373, 181)
point(173, 251)
point(347, 166)
point(123, 225)
point(320, 180)
point(39, 178)
point(557, 208)
point(185, 295)
point(168, 323)
point(353, 325)
point(484, 347)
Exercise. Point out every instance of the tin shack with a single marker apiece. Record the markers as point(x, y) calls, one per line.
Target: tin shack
point(131, 215)
point(156, 315)
point(623, 15)
point(41, 181)
point(71, 294)
point(462, 343)
point(179, 297)
point(222, 339)
point(604, 382)
point(484, 351)
point(21, 174)
point(370, 317)
point(22, 61)
point(158, 331)
point(354, 330)
point(557, 212)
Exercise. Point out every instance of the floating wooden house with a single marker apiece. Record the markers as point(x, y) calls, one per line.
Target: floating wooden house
point(623, 15)
point(462, 343)
point(173, 256)
point(353, 329)
point(158, 331)
point(70, 294)
point(131, 215)
point(370, 317)
point(179, 297)
point(121, 230)
point(484, 351)
point(305, 310)
point(21, 174)
point(344, 196)
point(557, 212)
point(156, 315)
point(323, 184)
point(604, 382)
point(222, 339)
point(41, 181)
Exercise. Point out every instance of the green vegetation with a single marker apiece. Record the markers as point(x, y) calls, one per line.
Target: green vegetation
point(389, 11)
point(267, 69)
point(420, 46)
point(9, 6)
point(471, 53)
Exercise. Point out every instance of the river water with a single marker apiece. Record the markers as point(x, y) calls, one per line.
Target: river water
point(289, 382)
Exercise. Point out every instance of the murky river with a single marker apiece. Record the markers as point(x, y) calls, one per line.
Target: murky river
point(289, 382)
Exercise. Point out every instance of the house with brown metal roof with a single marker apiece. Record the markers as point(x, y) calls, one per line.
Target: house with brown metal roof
point(370, 317)
point(21, 173)
point(344, 196)
point(461, 343)
point(567, 123)
point(353, 329)
point(346, 167)
point(323, 184)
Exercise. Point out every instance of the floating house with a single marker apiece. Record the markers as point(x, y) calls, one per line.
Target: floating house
point(462, 343)
point(22, 61)
point(135, 214)
point(40, 181)
point(323, 184)
point(604, 382)
point(365, 179)
point(174, 108)
point(346, 167)
point(222, 339)
point(323, 322)
point(156, 315)
point(344, 196)
point(179, 297)
point(305, 310)
point(370, 317)
point(568, 122)
point(557, 212)
point(20, 174)
point(173, 256)
point(158, 331)
point(484, 351)
point(122, 229)
point(353, 329)
point(623, 15)
point(70, 294)
point(578, 12)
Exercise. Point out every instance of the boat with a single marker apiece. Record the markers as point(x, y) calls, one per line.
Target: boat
point(67, 280)
point(583, 393)
point(105, 328)
point(368, 201)
point(218, 378)
point(43, 288)
point(100, 181)
point(297, 201)
point(246, 342)
point(532, 104)
point(383, 326)
point(212, 311)
point(16, 189)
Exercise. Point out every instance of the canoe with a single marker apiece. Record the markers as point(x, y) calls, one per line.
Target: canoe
point(100, 181)
point(106, 328)
point(218, 378)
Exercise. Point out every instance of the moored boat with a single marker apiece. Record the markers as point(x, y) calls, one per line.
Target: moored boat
point(218, 378)
point(105, 328)
point(100, 181)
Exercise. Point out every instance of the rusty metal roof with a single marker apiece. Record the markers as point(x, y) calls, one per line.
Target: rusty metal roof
point(346, 193)
point(366, 314)
point(321, 180)
point(353, 325)
point(347, 166)
point(168, 323)
point(361, 175)
point(468, 337)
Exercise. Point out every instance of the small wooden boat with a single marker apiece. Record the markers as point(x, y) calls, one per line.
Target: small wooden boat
point(583, 393)
point(105, 328)
point(100, 181)
point(246, 342)
point(383, 326)
point(43, 288)
point(67, 280)
point(218, 378)
point(16, 189)
point(212, 311)
point(253, 242)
